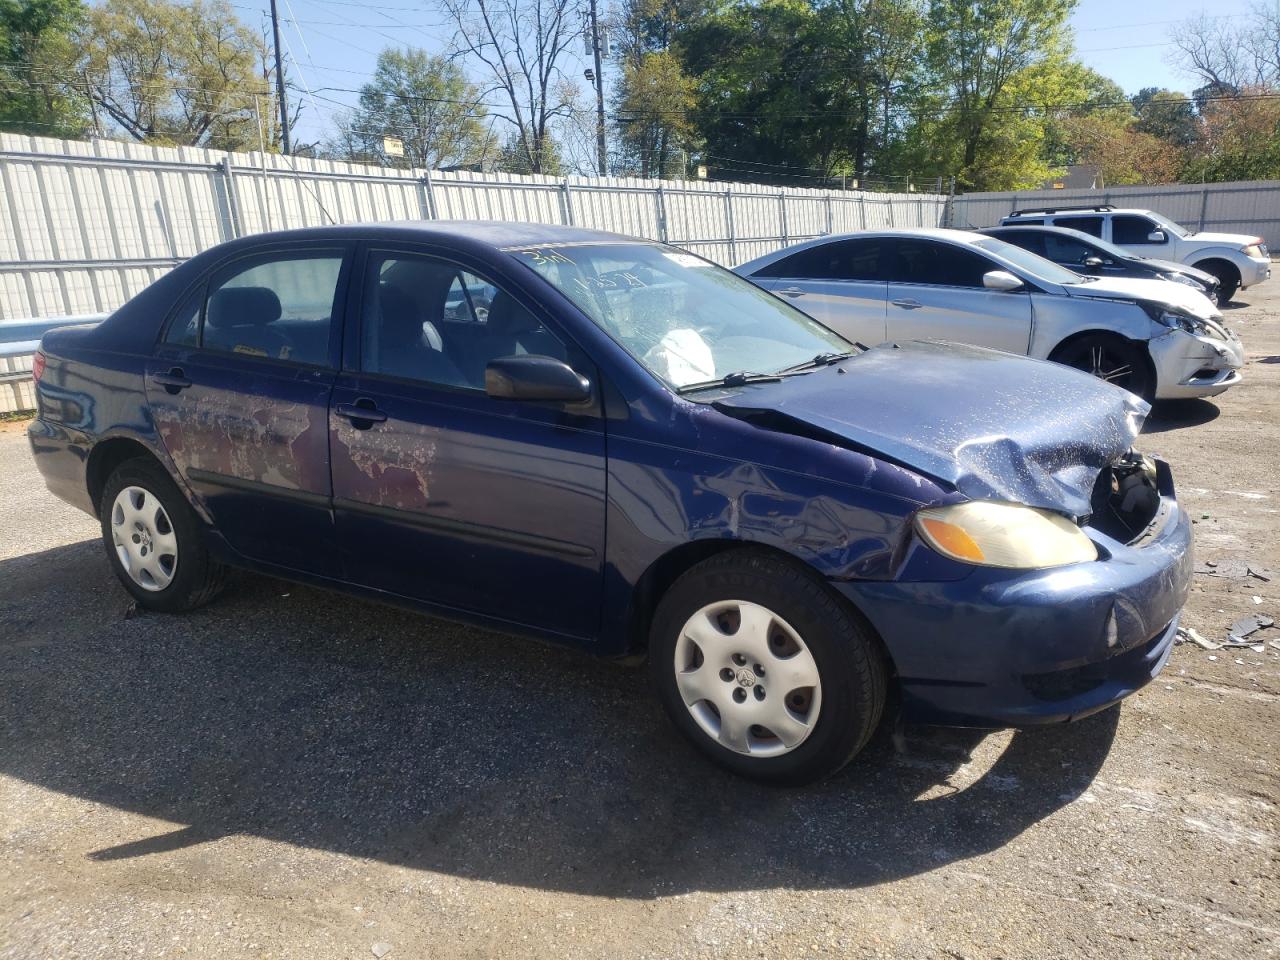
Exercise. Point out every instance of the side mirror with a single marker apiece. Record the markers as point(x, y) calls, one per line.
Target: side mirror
point(1156, 236)
point(1001, 280)
point(1092, 262)
point(533, 377)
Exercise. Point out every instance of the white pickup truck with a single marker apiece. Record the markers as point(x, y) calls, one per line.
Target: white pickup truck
point(1238, 260)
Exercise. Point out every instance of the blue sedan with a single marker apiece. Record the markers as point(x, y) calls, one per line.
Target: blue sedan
point(614, 444)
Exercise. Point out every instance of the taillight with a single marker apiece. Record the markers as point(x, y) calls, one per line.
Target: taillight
point(37, 366)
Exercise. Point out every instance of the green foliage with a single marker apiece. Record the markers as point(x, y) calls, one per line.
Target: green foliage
point(653, 107)
point(176, 73)
point(424, 101)
point(37, 68)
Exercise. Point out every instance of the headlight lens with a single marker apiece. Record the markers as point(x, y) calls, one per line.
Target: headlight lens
point(1174, 317)
point(1254, 250)
point(988, 533)
point(1183, 278)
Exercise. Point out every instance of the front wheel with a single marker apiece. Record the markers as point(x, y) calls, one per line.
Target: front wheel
point(764, 669)
point(1110, 358)
point(154, 540)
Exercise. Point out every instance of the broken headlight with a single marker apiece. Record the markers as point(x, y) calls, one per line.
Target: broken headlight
point(988, 533)
point(1175, 318)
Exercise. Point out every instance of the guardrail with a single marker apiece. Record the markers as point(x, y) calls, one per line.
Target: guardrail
point(19, 340)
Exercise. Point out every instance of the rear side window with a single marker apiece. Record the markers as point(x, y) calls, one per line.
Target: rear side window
point(1089, 225)
point(1129, 230)
point(933, 262)
point(279, 308)
point(837, 260)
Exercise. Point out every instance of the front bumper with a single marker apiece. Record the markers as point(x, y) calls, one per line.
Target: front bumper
point(1257, 273)
point(1195, 366)
point(1001, 648)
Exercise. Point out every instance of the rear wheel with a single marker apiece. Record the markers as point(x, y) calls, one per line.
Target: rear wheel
point(764, 669)
point(1110, 358)
point(154, 540)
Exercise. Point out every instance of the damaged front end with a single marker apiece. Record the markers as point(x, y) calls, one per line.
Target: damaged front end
point(1127, 497)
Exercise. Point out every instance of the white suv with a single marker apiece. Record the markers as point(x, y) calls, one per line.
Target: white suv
point(1236, 259)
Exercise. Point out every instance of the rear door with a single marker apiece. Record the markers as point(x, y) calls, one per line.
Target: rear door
point(239, 391)
point(935, 292)
point(838, 282)
point(449, 496)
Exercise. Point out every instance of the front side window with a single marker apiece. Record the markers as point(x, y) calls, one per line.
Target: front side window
point(1031, 240)
point(1061, 249)
point(934, 262)
point(429, 320)
point(1089, 225)
point(280, 309)
point(685, 319)
point(1128, 230)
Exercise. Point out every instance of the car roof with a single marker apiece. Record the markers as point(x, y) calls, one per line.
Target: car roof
point(936, 233)
point(494, 233)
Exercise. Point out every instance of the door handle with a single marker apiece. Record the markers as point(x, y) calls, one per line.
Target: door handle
point(363, 411)
point(792, 292)
point(907, 304)
point(173, 381)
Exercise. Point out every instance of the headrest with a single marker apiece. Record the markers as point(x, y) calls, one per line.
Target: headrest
point(243, 307)
point(509, 317)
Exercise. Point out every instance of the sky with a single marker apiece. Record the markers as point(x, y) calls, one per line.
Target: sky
point(333, 44)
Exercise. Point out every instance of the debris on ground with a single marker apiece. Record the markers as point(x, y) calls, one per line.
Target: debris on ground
point(1191, 635)
point(380, 950)
point(1234, 568)
point(1247, 626)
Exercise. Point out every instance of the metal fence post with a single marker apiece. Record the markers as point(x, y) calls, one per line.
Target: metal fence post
point(892, 218)
point(1204, 206)
point(782, 202)
point(231, 203)
point(566, 199)
point(862, 209)
point(433, 212)
point(728, 214)
point(830, 216)
point(662, 213)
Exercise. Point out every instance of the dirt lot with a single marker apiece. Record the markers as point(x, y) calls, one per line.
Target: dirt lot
point(291, 773)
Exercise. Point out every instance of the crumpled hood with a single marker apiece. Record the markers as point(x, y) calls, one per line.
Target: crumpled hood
point(992, 425)
point(1156, 291)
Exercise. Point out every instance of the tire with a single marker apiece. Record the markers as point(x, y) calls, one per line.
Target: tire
point(1110, 358)
point(1228, 279)
point(154, 540)
point(798, 630)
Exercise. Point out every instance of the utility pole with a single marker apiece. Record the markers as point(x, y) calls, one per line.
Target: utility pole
point(284, 105)
point(595, 48)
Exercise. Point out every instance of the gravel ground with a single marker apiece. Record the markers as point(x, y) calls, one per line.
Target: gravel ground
point(291, 773)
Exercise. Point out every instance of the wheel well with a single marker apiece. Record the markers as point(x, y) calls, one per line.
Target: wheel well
point(1139, 344)
point(1220, 267)
point(105, 456)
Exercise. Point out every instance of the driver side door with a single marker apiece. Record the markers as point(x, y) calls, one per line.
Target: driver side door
point(444, 494)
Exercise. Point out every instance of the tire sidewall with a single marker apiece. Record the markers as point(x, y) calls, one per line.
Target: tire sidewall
point(852, 686)
point(193, 566)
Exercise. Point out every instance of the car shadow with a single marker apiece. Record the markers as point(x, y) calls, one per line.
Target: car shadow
point(1175, 414)
point(314, 719)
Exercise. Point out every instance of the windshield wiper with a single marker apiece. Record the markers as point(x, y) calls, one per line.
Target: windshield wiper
point(738, 378)
point(821, 360)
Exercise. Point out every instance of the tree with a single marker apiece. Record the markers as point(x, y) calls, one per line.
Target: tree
point(424, 101)
point(654, 107)
point(176, 73)
point(522, 45)
point(38, 89)
point(980, 51)
point(1167, 116)
point(1241, 139)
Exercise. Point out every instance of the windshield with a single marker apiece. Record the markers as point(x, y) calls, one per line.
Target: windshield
point(1169, 225)
point(1032, 263)
point(688, 321)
